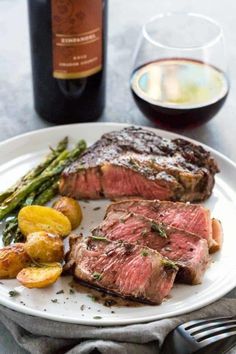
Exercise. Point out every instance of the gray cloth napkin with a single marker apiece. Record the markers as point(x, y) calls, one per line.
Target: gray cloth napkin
point(42, 336)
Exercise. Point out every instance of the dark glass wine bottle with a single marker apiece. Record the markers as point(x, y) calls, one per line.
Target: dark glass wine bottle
point(68, 53)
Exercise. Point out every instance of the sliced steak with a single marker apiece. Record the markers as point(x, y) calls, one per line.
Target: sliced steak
point(126, 270)
point(137, 162)
point(193, 218)
point(217, 234)
point(189, 251)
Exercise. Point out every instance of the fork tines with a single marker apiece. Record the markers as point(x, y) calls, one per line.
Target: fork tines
point(196, 323)
point(209, 330)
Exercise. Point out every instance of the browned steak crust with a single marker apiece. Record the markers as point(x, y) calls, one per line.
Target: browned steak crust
point(137, 162)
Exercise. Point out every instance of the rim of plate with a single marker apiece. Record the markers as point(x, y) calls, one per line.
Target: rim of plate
point(114, 322)
point(166, 132)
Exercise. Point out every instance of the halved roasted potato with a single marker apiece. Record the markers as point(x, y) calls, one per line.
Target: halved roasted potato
point(40, 277)
point(12, 260)
point(70, 208)
point(35, 218)
point(43, 247)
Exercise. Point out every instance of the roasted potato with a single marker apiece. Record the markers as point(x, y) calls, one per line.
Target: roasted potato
point(70, 208)
point(35, 218)
point(40, 277)
point(12, 260)
point(43, 247)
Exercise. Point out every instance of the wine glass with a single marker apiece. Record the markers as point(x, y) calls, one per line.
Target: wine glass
point(179, 78)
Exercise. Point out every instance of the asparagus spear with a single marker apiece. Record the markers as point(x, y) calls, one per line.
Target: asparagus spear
point(62, 145)
point(44, 193)
point(11, 231)
point(37, 170)
point(31, 197)
point(47, 195)
point(22, 192)
point(57, 166)
point(44, 187)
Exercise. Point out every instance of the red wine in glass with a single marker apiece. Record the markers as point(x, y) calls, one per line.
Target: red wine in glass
point(179, 92)
point(179, 77)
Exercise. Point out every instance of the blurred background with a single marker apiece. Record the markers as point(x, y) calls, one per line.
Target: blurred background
point(125, 20)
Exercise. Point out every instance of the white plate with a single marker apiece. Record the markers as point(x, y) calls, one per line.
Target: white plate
point(19, 154)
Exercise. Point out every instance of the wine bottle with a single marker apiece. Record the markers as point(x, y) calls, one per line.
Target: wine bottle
point(68, 55)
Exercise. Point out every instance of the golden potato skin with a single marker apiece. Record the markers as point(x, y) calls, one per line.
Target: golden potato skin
point(35, 218)
point(44, 247)
point(12, 260)
point(40, 277)
point(70, 208)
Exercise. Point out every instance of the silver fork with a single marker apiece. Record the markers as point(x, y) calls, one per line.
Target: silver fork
point(209, 336)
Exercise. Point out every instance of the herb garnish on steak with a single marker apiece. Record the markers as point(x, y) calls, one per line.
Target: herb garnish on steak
point(194, 218)
point(189, 251)
point(159, 229)
point(124, 268)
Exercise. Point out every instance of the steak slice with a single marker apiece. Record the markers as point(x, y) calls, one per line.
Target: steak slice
point(127, 270)
point(136, 162)
point(193, 218)
point(189, 251)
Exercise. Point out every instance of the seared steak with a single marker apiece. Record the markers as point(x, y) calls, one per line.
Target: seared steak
point(127, 270)
point(193, 218)
point(189, 251)
point(137, 162)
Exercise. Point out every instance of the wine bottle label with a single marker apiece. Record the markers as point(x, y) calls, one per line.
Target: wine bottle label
point(77, 38)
